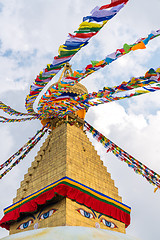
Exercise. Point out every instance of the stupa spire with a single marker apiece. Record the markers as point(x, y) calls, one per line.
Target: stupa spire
point(67, 183)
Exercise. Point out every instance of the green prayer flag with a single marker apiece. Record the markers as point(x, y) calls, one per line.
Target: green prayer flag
point(94, 63)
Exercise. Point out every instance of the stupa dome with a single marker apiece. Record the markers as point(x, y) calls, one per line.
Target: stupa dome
point(68, 233)
point(78, 88)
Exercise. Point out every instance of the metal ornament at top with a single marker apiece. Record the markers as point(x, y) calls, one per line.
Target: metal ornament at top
point(76, 118)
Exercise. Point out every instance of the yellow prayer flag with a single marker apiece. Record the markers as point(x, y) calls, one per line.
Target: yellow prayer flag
point(158, 70)
point(133, 80)
point(142, 91)
point(63, 48)
point(89, 25)
point(155, 189)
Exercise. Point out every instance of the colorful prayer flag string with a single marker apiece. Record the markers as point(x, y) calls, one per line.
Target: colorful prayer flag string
point(151, 176)
point(26, 149)
point(145, 84)
point(60, 103)
point(11, 111)
point(90, 26)
point(9, 120)
point(78, 75)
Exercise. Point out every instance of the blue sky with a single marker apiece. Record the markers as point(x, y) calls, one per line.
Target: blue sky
point(31, 32)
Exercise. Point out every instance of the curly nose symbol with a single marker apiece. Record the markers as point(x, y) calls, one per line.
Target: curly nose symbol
point(97, 225)
point(36, 226)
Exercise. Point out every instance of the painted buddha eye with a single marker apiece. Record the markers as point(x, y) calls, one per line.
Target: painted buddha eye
point(47, 214)
point(25, 225)
point(85, 213)
point(108, 224)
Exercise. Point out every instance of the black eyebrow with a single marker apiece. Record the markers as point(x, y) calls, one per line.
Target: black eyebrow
point(40, 212)
point(94, 212)
point(100, 215)
point(28, 215)
point(43, 210)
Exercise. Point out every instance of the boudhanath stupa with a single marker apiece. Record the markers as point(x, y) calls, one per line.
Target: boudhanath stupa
point(67, 192)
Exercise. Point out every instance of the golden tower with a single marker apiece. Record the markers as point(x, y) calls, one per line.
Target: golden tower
point(67, 184)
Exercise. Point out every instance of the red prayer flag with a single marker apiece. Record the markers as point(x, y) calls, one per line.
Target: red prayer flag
point(113, 4)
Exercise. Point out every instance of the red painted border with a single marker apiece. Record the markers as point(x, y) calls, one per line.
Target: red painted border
point(71, 193)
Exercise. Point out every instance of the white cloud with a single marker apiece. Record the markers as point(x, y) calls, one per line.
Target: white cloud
point(5, 138)
point(31, 32)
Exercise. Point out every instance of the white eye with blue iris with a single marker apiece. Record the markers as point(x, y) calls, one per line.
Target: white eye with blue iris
point(47, 214)
point(108, 224)
point(85, 213)
point(25, 225)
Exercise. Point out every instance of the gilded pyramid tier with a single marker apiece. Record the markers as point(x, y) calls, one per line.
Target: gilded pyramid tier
point(67, 152)
point(67, 185)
